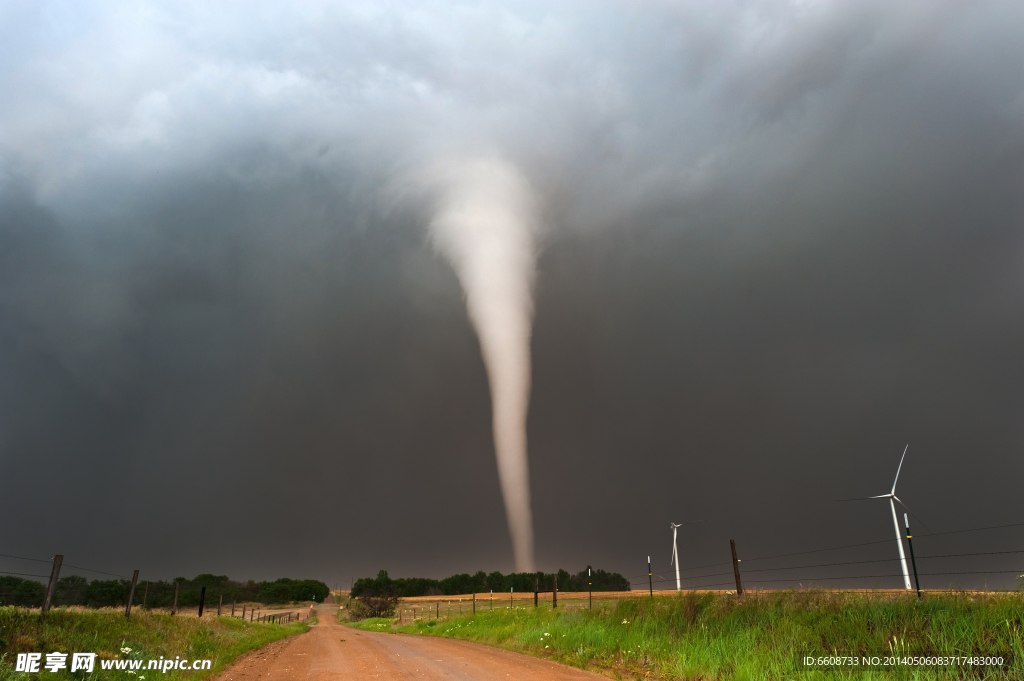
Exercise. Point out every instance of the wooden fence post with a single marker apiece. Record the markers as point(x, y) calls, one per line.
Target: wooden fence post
point(58, 560)
point(536, 590)
point(474, 602)
point(174, 608)
point(131, 594)
point(145, 593)
point(202, 600)
point(219, 604)
point(736, 567)
point(554, 591)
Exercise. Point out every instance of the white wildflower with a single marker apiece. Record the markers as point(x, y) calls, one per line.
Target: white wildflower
point(126, 650)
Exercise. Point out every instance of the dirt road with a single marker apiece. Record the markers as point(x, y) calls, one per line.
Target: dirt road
point(332, 652)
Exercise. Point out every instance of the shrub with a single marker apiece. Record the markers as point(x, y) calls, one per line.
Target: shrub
point(377, 597)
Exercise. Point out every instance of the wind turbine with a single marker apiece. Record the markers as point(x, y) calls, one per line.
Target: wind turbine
point(893, 500)
point(675, 553)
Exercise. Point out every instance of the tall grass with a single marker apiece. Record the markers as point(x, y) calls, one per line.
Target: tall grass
point(758, 636)
point(148, 634)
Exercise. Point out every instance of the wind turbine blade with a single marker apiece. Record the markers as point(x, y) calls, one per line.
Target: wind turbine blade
point(880, 496)
point(855, 499)
point(898, 469)
point(916, 517)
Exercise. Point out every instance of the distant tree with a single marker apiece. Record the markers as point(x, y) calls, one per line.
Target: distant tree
point(209, 580)
point(26, 593)
point(107, 593)
point(71, 590)
point(599, 580)
point(284, 590)
point(496, 581)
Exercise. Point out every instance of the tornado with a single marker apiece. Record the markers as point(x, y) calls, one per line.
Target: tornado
point(485, 225)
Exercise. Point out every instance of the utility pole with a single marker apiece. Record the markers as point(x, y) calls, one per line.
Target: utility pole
point(590, 587)
point(913, 562)
point(131, 595)
point(58, 560)
point(736, 567)
point(650, 578)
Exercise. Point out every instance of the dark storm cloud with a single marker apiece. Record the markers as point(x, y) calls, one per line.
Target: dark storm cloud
point(780, 242)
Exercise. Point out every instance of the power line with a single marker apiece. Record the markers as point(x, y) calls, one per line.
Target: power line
point(974, 529)
point(882, 560)
point(801, 553)
point(850, 546)
point(814, 579)
point(99, 572)
point(67, 565)
point(853, 562)
point(38, 560)
point(984, 553)
point(22, 574)
point(895, 574)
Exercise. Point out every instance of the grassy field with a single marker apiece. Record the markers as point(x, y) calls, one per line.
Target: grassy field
point(147, 635)
point(758, 636)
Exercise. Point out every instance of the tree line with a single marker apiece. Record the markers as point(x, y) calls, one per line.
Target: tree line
point(406, 587)
point(101, 593)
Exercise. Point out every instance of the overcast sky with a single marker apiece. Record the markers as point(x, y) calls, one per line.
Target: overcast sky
point(779, 242)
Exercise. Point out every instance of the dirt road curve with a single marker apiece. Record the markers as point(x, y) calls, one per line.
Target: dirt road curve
point(332, 652)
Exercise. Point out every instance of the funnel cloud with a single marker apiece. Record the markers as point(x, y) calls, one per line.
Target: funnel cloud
point(485, 224)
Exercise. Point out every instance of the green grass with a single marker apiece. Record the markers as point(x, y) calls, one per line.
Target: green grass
point(150, 635)
point(759, 636)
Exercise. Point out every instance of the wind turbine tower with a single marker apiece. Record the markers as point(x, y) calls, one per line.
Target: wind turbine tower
point(893, 500)
point(891, 496)
point(675, 552)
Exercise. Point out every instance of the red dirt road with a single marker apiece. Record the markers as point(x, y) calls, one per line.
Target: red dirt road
point(332, 652)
